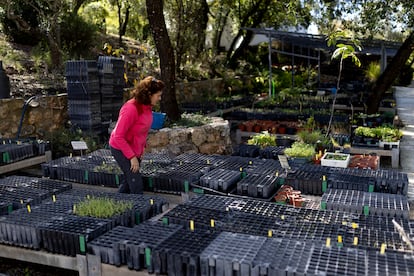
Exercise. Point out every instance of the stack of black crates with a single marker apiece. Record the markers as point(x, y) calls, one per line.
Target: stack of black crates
point(95, 92)
point(111, 78)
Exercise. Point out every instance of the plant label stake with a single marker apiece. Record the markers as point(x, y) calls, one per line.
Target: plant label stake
point(79, 145)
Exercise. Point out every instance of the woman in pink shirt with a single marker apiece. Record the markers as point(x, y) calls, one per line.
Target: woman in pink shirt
point(128, 139)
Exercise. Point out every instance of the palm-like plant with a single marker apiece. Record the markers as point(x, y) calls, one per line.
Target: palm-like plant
point(342, 51)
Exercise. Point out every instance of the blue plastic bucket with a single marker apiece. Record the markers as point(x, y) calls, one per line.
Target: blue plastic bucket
point(158, 119)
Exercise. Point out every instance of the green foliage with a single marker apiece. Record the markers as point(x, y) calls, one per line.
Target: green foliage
point(263, 140)
point(389, 134)
point(290, 93)
point(101, 207)
point(191, 120)
point(364, 131)
point(60, 141)
point(78, 36)
point(11, 57)
point(373, 71)
point(342, 51)
point(280, 80)
point(40, 56)
point(30, 15)
point(95, 13)
point(310, 123)
point(108, 168)
point(301, 150)
point(385, 133)
point(311, 137)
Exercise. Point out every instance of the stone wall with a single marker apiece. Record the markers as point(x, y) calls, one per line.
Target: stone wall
point(48, 113)
point(198, 90)
point(51, 114)
point(213, 138)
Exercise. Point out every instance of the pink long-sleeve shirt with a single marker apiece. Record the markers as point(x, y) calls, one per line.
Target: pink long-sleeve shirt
point(131, 130)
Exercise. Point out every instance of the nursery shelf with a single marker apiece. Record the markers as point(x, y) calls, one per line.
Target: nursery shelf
point(359, 108)
point(240, 134)
point(26, 163)
point(86, 265)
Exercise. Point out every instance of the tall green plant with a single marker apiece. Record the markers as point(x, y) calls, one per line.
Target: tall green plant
point(342, 51)
point(373, 71)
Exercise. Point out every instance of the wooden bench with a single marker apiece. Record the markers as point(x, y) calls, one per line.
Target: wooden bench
point(393, 153)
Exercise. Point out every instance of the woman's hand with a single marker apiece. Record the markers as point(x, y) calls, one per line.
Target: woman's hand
point(134, 165)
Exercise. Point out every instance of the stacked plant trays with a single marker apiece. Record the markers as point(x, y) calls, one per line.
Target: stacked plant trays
point(111, 78)
point(261, 238)
point(180, 253)
point(177, 178)
point(52, 223)
point(97, 168)
point(13, 150)
point(314, 180)
point(84, 101)
point(388, 205)
point(21, 192)
point(132, 246)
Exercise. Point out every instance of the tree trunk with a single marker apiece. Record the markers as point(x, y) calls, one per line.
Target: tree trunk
point(204, 10)
point(77, 5)
point(122, 31)
point(255, 15)
point(221, 22)
point(165, 51)
point(119, 6)
point(389, 75)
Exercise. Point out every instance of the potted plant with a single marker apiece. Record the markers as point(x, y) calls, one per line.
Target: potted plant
point(264, 139)
point(365, 135)
point(389, 137)
point(331, 159)
point(300, 152)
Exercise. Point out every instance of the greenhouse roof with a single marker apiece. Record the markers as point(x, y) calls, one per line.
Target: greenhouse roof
point(305, 40)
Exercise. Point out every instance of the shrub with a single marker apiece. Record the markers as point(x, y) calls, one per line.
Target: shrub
point(77, 36)
point(301, 150)
point(262, 140)
point(30, 15)
point(60, 141)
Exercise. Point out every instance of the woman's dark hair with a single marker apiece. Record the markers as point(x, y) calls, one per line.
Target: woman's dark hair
point(147, 87)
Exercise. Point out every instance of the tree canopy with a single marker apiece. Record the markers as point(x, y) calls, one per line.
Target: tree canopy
point(206, 38)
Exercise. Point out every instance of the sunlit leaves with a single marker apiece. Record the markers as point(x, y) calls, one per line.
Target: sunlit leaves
point(344, 51)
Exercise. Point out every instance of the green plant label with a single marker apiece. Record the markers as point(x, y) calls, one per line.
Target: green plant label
point(86, 176)
point(82, 244)
point(198, 191)
point(137, 218)
point(186, 186)
point(148, 257)
point(6, 157)
point(324, 186)
point(366, 210)
point(371, 188)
